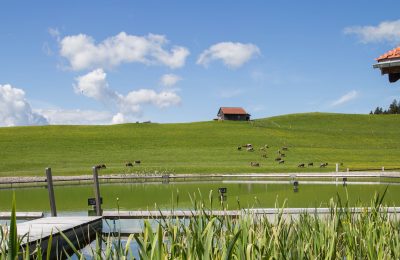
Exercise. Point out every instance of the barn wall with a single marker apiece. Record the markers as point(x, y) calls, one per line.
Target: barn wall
point(235, 117)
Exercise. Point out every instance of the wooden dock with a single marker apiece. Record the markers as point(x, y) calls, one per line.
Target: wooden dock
point(21, 215)
point(79, 230)
point(157, 214)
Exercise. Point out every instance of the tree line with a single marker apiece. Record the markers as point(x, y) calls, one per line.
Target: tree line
point(394, 108)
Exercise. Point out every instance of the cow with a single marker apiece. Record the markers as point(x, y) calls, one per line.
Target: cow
point(137, 162)
point(283, 155)
point(254, 164)
point(239, 148)
point(301, 165)
point(250, 149)
point(128, 164)
point(278, 159)
point(103, 166)
point(323, 165)
point(310, 164)
point(284, 148)
point(281, 161)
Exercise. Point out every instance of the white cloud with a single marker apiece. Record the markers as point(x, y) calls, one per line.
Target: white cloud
point(118, 118)
point(76, 116)
point(345, 98)
point(94, 85)
point(232, 54)
point(134, 99)
point(388, 31)
point(15, 109)
point(170, 80)
point(82, 52)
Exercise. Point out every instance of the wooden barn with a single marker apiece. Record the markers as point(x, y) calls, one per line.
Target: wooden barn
point(233, 113)
point(389, 63)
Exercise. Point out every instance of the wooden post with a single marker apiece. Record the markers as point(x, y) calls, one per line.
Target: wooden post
point(97, 191)
point(51, 192)
point(337, 167)
point(383, 168)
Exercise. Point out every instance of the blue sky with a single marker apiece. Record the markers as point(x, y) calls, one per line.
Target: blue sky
point(102, 62)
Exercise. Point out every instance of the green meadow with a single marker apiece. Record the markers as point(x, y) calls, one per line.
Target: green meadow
point(356, 141)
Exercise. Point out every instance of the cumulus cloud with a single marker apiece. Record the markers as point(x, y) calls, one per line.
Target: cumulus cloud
point(345, 98)
point(134, 99)
point(118, 118)
point(232, 54)
point(82, 52)
point(387, 31)
point(169, 80)
point(76, 116)
point(94, 85)
point(15, 109)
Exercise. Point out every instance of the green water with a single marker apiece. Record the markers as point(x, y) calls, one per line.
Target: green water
point(132, 196)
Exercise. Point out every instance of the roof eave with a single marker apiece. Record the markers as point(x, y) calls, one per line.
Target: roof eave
point(387, 64)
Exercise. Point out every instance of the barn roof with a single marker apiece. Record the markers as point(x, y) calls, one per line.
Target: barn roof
point(233, 111)
point(392, 54)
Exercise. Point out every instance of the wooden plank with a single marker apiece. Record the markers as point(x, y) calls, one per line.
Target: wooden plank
point(39, 231)
point(21, 215)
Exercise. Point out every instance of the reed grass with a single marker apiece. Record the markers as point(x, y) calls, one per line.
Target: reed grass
point(371, 234)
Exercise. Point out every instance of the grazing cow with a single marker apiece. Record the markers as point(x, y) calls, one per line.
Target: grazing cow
point(137, 162)
point(278, 159)
point(266, 146)
point(250, 149)
point(281, 161)
point(128, 164)
point(310, 164)
point(283, 155)
point(239, 148)
point(301, 165)
point(284, 148)
point(323, 165)
point(100, 166)
point(254, 164)
point(279, 151)
point(249, 145)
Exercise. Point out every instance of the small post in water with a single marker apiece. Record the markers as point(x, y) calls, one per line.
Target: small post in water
point(97, 191)
point(51, 192)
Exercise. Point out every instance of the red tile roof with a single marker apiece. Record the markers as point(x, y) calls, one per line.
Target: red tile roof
point(233, 110)
point(393, 54)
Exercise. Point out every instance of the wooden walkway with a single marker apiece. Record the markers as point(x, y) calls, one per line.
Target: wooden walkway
point(232, 213)
point(21, 215)
point(40, 230)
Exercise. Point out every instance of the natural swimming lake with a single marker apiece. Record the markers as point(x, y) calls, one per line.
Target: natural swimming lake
point(240, 193)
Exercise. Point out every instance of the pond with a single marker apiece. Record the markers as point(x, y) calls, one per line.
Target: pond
point(72, 199)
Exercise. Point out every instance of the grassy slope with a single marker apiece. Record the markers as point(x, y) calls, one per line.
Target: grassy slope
point(359, 141)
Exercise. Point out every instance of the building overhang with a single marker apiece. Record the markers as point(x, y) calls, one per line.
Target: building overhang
point(390, 67)
point(387, 64)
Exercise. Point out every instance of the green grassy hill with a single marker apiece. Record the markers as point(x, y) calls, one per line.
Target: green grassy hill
point(357, 141)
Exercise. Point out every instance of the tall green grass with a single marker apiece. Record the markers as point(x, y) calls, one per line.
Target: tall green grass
point(341, 234)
